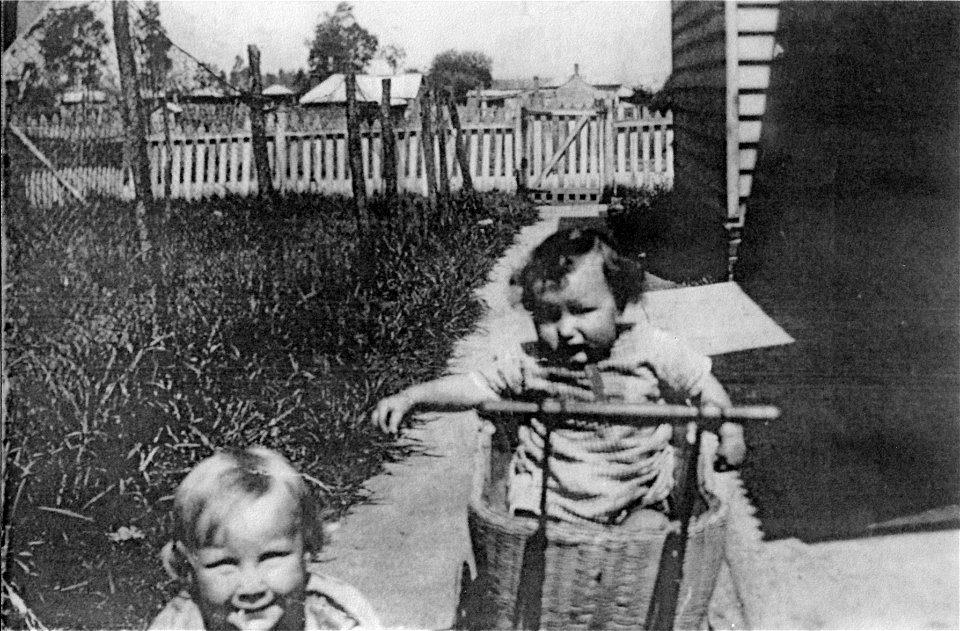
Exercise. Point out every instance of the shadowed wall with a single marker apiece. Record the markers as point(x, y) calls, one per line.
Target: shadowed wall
point(851, 244)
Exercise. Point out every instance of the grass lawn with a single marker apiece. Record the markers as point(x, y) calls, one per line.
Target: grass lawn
point(239, 326)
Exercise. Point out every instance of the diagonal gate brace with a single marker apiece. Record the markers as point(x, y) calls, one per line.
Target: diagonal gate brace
point(563, 148)
point(46, 162)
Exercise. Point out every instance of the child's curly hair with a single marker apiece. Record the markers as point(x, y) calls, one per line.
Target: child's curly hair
point(212, 489)
point(560, 253)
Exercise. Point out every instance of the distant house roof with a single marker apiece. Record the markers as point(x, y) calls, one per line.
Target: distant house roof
point(403, 89)
point(22, 52)
point(83, 96)
point(523, 84)
point(505, 88)
point(495, 94)
point(277, 90)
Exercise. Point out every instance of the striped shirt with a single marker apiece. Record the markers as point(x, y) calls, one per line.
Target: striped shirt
point(598, 471)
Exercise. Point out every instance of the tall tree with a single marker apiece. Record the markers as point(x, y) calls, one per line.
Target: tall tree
point(340, 44)
point(154, 45)
point(301, 81)
point(394, 56)
point(240, 74)
point(72, 42)
point(135, 143)
point(461, 71)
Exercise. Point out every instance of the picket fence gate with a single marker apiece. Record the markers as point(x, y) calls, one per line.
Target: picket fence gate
point(599, 147)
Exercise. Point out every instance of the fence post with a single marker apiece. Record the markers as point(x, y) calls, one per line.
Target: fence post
point(280, 154)
point(443, 192)
point(466, 178)
point(168, 161)
point(426, 141)
point(521, 151)
point(135, 139)
point(388, 144)
point(355, 151)
point(609, 141)
point(258, 134)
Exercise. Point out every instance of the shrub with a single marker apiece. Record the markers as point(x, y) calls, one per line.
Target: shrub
point(236, 327)
point(680, 240)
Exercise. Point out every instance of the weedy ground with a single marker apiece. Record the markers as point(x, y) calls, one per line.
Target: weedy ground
point(241, 324)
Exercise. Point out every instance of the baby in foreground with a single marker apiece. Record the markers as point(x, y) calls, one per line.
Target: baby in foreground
point(245, 528)
point(576, 287)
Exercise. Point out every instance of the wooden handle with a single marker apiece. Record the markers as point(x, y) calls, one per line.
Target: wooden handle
point(640, 413)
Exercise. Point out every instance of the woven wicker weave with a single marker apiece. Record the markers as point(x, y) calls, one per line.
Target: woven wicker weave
point(597, 577)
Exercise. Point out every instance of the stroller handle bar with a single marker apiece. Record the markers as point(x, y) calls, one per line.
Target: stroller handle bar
point(632, 413)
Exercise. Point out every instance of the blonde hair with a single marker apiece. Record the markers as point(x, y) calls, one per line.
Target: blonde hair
point(214, 487)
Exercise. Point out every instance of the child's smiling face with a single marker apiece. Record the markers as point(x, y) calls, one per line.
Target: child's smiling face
point(252, 576)
point(577, 321)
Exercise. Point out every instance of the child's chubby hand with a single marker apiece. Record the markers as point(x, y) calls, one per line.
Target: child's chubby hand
point(732, 446)
point(390, 411)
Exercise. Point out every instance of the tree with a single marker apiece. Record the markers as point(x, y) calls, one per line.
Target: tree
point(154, 45)
point(340, 44)
point(461, 71)
point(301, 82)
point(239, 74)
point(72, 43)
point(642, 95)
point(394, 56)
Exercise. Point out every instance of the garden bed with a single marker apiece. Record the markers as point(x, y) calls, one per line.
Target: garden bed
point(239, 326)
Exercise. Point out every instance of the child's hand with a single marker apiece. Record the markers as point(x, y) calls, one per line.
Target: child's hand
point(732, 446)
point(390, 411)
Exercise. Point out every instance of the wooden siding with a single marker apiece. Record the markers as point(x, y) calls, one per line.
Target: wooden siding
point(722, 57)
point(756, 36)
point(699, 104)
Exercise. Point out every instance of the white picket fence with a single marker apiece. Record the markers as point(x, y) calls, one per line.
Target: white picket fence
point(315, 160)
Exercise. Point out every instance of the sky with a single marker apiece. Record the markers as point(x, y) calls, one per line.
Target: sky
point(625, 41)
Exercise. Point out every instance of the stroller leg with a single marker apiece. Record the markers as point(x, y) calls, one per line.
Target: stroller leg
point(663, 605)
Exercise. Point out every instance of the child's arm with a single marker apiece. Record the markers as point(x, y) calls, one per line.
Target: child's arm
point(732, 446)
point(453, 392)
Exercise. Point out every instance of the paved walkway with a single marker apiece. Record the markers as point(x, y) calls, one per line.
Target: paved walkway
point(406, 548)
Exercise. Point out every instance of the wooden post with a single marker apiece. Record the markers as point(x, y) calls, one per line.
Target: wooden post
point(168, 162)
point(609, 140)
point(388, 144)
point(444, 188)
point(135, 138)
point(426, 141)
point(280, 151)
point(521, 141)
point(467, 179)
point(258, 134)
point(355, 151)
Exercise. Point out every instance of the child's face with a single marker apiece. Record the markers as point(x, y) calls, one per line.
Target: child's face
point(578, 321)
point(253, 575)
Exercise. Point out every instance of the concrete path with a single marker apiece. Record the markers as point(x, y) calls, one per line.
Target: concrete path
point(406, 548)
point(404, 551)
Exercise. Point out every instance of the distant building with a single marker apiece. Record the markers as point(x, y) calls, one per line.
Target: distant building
point(280, 93)
point(575, 91)
point(81, 96)
point(277, 89)
point(332, 92)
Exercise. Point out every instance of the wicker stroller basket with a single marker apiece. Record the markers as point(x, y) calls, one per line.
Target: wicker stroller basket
point(596, 577)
